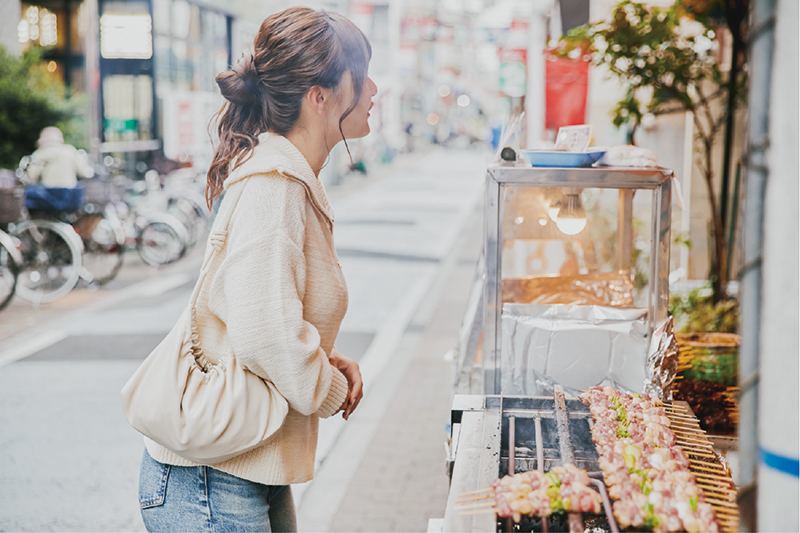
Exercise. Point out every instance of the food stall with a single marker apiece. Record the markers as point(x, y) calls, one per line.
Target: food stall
point(567, 322)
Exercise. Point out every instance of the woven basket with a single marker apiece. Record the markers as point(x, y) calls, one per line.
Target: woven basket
point(709, 357)
point(11, 202)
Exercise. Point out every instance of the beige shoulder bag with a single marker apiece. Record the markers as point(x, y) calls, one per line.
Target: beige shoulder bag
point(204, 412)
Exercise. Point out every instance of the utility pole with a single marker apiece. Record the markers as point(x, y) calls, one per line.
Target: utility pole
point(537, 41)
point(10, 14)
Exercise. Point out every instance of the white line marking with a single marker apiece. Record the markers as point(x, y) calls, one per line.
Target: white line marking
point(31, 345)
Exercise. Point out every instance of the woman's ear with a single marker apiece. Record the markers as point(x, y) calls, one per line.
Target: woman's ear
point(317, 98)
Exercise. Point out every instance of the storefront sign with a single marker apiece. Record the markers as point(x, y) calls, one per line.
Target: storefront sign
point(513, 71)
point(186, 117)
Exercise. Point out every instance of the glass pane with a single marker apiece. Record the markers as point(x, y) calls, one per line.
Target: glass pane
point(161, 16)
point(163, 58)
point(565, 245)
point(128, 106)
point(575, 269)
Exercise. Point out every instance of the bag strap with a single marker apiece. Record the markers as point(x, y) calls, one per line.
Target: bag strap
point(217, 239)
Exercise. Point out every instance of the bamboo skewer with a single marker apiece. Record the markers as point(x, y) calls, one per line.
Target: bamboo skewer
point(695, 445)
point(721, 493)
point(689, 438)
point(680, 416)
point(711, 494)
point(715, 489)
point(682, 424)
point(698, 453)
point(691, 434)
point(721, 503)
point(711, 476)
point(705, 469)
point(478, 511)
point(686, 427)
point(676, 410)
point(475, 498)
point(693, 448)
point(475, 506)
point(470, 493)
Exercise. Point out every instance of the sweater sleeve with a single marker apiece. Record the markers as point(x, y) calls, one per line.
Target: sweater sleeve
point(263, 282)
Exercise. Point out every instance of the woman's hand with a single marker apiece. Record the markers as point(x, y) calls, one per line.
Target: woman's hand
point(350, 369)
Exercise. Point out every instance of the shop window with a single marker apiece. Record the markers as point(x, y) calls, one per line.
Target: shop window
point(164, 58)
point(128, 107)
point(38, 26)
point(126, 36)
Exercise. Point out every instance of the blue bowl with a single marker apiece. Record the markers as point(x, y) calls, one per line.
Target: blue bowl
point(541, 158)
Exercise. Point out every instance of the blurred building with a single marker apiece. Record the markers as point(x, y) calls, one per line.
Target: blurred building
point(147, 66)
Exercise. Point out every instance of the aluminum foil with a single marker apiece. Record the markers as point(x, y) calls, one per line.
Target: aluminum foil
point(575, 346)
point(662, 362)
point(607, 289)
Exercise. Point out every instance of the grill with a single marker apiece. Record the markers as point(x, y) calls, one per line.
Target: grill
point(497, 435)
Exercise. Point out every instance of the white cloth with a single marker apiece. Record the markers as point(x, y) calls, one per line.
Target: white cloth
point(627, 155)
point(278, 300)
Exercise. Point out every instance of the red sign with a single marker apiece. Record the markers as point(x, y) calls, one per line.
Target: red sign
point(567, 84)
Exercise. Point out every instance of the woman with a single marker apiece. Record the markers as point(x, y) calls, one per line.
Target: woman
point(279, 297)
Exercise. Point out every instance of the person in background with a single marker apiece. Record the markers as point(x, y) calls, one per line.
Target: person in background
point(279, 297)
point(56, 164)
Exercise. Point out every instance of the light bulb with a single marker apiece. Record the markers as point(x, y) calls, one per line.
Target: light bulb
point(571, 217)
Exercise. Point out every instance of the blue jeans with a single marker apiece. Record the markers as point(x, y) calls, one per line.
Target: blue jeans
point(199, 498)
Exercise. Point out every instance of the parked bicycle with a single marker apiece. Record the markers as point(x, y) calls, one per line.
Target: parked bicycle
point(82, 208)
point(10, 261)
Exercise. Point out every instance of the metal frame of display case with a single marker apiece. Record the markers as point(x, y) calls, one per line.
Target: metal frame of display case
point(627, 180)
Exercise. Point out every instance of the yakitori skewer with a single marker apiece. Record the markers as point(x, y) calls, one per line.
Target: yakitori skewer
point(638, 434)
point(535, 494)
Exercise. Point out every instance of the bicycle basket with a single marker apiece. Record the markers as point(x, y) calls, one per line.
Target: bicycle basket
point(39, 197)
point(11, 201)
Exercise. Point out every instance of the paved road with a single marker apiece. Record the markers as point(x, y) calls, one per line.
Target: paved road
point(69, 460)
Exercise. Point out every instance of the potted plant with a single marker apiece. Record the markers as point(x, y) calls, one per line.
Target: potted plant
point(663, 57)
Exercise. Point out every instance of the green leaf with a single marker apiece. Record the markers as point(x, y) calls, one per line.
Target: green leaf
point(31, 99)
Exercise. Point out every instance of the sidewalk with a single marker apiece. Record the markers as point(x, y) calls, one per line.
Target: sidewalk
point(71, 461)
point(399, 434)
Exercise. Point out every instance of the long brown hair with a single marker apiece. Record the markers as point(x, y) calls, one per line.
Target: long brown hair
point(294, 50)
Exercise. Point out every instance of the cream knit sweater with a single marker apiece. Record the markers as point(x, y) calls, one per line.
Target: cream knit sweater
point(277, 300)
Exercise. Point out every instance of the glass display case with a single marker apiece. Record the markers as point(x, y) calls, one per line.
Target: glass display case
point(575, 277)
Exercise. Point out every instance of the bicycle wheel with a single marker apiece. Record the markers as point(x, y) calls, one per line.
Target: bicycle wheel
point(9, 269)
point(162, 241)
point(51, 260)
point(193, 215)
point(102, 248)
